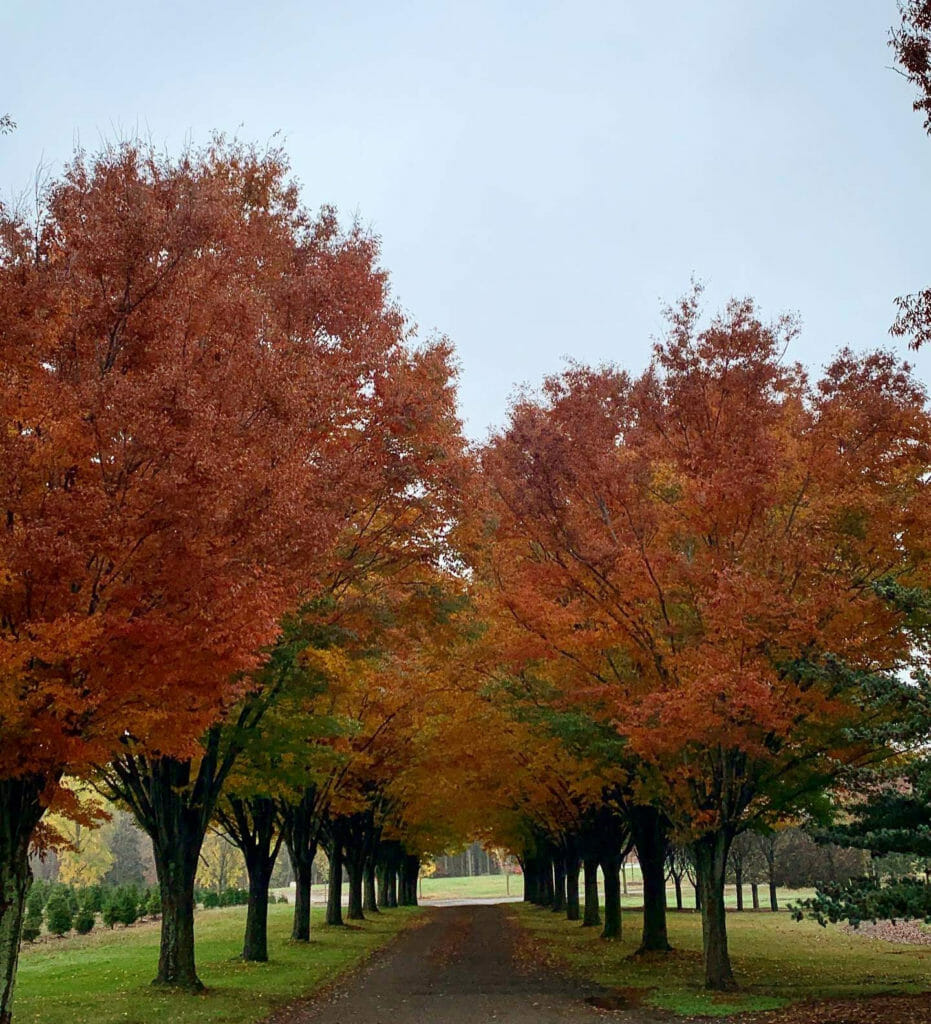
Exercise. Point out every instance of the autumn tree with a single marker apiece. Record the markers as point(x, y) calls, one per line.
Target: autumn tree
point(706, 547)
point(187, 359)
point(911, 44)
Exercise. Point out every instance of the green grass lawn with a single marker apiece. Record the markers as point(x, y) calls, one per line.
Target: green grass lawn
point(104, 977)
point(776, 961)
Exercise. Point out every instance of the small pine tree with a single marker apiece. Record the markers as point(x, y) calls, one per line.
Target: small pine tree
point(58, 917)
point(127, 910)
point(109, 912)
point(32, 926)
point(84, 920)
point(153, 903)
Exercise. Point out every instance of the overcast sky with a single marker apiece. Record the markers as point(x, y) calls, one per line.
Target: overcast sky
point(543, 175)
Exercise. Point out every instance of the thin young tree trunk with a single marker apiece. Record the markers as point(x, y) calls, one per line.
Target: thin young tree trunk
point(611, 869)
point(677, 882)
point(648, 828)
point(773, 899)
point(739, 884)
point(710, 864)
point(21, 811)
point(592, 918)
point(755, 895)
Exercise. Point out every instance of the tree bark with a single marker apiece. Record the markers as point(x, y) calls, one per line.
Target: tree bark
point(773, 899)
point(755, 895)
point(592, 918)
point(710, 865)
point(176, 867)
point(739, 884)
point(611, 869)
point(650, 838)
point(21, 811)
point(677, 882)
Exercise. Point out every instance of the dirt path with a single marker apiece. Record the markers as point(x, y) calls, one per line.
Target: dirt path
point(461, 967)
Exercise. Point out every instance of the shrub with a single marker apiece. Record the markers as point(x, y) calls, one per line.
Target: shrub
point(32, 926)
point(211, 900)
point(58, 917)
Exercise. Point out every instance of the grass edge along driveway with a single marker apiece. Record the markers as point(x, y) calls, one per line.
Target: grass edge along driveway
point(777, 961)
point(104, 978)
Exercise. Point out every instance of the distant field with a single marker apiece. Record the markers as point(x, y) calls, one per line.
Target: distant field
point(104, 977)
point(497, 886)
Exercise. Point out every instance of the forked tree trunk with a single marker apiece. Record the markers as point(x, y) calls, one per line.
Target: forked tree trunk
point(301, 836)
point(572, 885)
point(252, 824)
point(611, 869)
point(20, 812)
point(592, 917)
point(650, 837)
point(710, 864)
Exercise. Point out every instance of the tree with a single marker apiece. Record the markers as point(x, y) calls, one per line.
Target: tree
point(169, 330)
point(911, 44)
point(700, 554)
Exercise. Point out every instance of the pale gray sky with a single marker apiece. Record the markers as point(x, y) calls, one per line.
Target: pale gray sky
point(543, 174)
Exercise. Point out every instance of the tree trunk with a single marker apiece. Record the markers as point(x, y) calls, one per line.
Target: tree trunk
point(176, 867)
point(739, 885)
point(649, 833)
point(301, 827)
point(592, 918)
point(773, 900)
point(677, 882)
point(369, 899)
point(392, 894)
point(710, 864)
point(20, 812)
point(547, 887)
point(381, 877)
point(255, 943)
point(611, 869)
point(559, 883)
point(697, 888)
point(572, 886)
point(755, 895)
point(410, 872)
point(334, 903)
point(252, 824)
